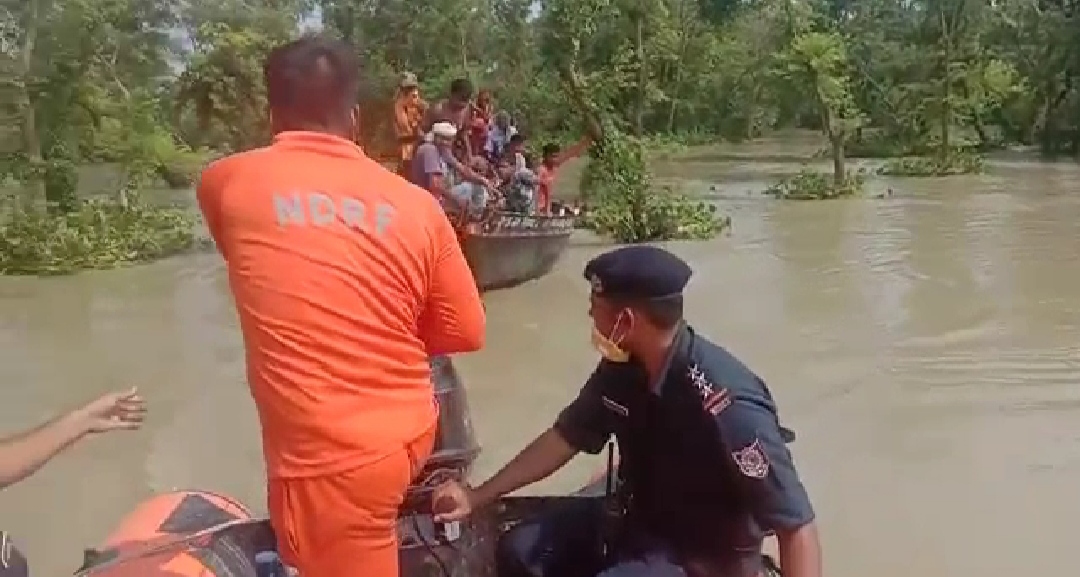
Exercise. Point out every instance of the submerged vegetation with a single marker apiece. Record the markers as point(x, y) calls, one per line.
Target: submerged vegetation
point(92, 81)
point(629, 207)
point(951, 164)
point(809, 184)
point(95, 234)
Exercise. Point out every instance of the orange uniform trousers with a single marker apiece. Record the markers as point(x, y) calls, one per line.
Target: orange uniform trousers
point(344, 525)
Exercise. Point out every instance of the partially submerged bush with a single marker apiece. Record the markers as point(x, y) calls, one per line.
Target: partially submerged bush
point(659, 215)
point(810, 184)
point(954, 163)
point(97, 234)
point(626, 206)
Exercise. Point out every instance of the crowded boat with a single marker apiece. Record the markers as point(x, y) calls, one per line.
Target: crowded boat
point(470, 154)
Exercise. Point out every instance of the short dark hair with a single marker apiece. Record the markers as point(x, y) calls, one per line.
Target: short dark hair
point(313, 81)
point(549, 149)
point(517, 138)
point(461, 88)
point(663, 313)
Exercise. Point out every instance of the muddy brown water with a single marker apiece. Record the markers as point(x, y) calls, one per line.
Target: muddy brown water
point(926, 346)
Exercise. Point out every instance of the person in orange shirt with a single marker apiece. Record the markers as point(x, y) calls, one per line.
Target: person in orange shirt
point(553, 158)
point(346, 278)
point(409, 110)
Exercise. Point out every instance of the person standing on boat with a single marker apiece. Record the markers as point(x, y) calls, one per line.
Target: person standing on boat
point(457, 109)
point(409, 109)
point(704, 465)
point(22, 454)
point(553, 158)
point(346, 279)
point(480, 121)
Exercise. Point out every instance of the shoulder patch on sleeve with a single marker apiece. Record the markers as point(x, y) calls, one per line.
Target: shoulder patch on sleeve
point(752, 460)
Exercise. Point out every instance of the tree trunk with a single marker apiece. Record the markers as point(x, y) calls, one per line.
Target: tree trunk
point(839, 161)
point(684, 41)
point(32, 196)
point(946, 83)
point(642, 77)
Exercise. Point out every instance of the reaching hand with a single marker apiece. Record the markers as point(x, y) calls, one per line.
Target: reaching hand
point(114, 411)
point(451, 501)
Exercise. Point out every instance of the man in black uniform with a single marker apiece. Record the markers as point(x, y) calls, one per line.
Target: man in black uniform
point(703, 460)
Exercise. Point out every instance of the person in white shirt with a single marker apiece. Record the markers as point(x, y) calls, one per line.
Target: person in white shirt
point(499, 135)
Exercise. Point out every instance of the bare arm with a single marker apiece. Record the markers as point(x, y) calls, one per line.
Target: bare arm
point(584, 425)
point(453, 320)
point(800, 551)
point(208, 194)
point(573, 151)
point(465, 132)
point(23, 454)
point(542, 457)
point(468, 173)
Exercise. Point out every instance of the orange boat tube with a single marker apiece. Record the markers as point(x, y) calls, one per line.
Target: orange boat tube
point(173, 535)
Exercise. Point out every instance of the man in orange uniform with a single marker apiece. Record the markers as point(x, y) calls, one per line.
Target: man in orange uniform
point(346, 278)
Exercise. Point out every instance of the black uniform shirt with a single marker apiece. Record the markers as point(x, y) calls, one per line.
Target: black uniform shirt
point(702, 452)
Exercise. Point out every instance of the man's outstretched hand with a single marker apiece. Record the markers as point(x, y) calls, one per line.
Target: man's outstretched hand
point(119, 410)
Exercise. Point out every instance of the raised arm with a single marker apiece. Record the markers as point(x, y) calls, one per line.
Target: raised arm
point(453, 320)
point(573, 151)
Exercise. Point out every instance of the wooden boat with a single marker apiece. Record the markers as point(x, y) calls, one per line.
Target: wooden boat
point(508, 249)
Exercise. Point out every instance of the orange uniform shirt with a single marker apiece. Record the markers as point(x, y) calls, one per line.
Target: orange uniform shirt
point(345, 278)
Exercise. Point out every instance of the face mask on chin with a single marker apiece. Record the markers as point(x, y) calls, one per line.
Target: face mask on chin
point(607, 347)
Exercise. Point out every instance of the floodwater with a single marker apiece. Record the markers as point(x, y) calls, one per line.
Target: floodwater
point(926, 347)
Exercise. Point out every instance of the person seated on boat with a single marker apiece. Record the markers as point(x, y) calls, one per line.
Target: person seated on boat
point(519, 191)
point(515, 153)
point(704, 471)
point(22, 454)
point(409, 109)
point(458, 187)
point(552, 159)
point(499, 135)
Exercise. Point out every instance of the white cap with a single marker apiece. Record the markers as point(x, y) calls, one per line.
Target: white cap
point(444, 129)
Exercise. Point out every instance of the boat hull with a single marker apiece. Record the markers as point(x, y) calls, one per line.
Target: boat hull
point(224, 542)
point(512, 249)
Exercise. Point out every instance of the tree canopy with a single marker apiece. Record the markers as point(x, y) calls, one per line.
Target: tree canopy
point(143, 81)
